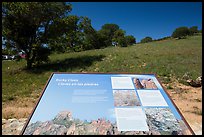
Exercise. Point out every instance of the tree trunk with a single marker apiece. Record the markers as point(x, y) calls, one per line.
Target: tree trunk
point(29, 64)
point(29, 61)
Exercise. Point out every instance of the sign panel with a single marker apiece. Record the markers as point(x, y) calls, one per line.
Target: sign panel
point(105, 104)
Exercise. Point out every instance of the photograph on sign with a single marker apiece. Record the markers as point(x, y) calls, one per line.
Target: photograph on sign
point(144, 83)
point(125, 98)
point(104, 104)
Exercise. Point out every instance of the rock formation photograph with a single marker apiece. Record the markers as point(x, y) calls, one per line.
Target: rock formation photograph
point(125, 98)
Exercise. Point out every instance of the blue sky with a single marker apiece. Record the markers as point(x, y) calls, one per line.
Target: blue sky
point(60, 98)
point(141, 19)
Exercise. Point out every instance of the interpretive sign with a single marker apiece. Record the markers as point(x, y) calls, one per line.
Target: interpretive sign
point(105, 104)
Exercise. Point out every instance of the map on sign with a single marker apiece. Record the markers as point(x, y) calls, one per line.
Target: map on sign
point(105, 104)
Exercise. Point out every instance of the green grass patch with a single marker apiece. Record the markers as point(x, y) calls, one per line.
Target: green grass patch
point(169, 87)
point(168, 58)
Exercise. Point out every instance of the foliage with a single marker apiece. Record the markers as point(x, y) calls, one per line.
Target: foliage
point(7, 51)
point(119, 38)
point(164, 38)
point(200, 30)
point(103, 37)
point(70, 36)
point(146, 39)
point(107, 33)
point(193, 30)
point(27, 26)
point(90, 40)
point(130, 40)
point(180, 32)
point(41, 55)
point(78, 35)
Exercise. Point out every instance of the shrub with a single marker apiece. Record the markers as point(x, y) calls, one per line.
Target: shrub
point(130, 40)
point(180, 32)
point(193, 30)
point(146, 39)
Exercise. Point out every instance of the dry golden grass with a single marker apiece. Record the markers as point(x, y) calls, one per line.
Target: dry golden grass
point(20, 108)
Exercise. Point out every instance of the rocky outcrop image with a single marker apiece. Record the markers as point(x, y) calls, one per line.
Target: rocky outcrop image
point(125, 98)
point(144, 84)
point(138, 83)
point(64, 124)
point(161, 121)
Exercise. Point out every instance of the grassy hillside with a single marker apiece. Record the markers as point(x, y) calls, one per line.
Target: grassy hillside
point(169, 58)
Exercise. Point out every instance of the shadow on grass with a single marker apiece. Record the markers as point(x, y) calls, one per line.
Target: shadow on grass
point(67, 64)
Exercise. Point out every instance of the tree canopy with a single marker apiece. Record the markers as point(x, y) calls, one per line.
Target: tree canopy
point(40, 28)
point(180, 32)
point(119, 38)
point(193, 30)
point(146, 39)
point(28, 26)
point(130, 39)
point(107, 33)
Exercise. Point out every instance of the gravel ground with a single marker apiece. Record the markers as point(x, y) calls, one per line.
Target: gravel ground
point(12, 126)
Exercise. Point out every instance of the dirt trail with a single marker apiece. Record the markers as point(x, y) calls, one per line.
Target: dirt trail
point(189, 101)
